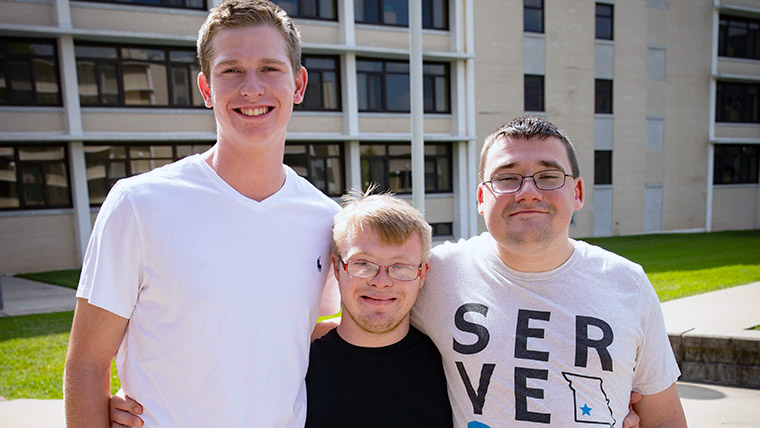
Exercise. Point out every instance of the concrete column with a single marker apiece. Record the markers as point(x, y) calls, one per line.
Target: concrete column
point(472, 131)
point(417, 101)
point(354, 161)
point(80, 197)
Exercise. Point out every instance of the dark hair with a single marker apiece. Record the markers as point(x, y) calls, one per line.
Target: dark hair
point(527, 127)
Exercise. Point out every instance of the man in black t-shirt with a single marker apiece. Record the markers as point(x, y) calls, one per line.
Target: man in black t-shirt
point(374, 369)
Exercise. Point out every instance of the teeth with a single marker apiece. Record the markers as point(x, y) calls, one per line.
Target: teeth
point(254, 111)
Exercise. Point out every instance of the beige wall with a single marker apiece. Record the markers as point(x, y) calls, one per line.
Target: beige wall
point(327, 32)
point(742, 130)
point(322, 123)
point(147, 120)
point(25, 13)
point(23, 120)
point(39, 242)
point(735, 207)
point(439, 209)
point(131, 19)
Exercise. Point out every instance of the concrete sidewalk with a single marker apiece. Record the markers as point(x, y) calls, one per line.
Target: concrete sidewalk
point(730, 312)
point(24, 297)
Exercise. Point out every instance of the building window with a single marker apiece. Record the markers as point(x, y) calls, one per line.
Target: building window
point(106, 164)
point(442, 229)
point(310, 9)
point(176, 4)
point(320, 163)
point(435, 13)
point(323, 91)
point(137, 76)
point(603, 167)
point(738, 102)
point(655, 64)
point(29, 73)
point(604, 26)
point(533, 16)
point(603, 96)
point(390, 166)
point(735, 164)
point(384, 86)
point(534, 93)
point(435, 78)
point(34, 177)
point(739, 37)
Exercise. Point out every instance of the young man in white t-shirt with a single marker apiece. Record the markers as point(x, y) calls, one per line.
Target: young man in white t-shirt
point(187, 262)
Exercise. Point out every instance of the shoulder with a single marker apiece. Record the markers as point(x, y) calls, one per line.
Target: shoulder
point(174, 174)
point(463, 247)
point(606, 261)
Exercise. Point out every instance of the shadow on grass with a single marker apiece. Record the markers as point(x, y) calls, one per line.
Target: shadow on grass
point(26, 326)
point(66, 278)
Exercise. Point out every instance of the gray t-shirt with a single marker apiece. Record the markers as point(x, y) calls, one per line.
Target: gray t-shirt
point(560, 347)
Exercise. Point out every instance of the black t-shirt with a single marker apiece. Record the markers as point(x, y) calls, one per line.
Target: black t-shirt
point(398, 386)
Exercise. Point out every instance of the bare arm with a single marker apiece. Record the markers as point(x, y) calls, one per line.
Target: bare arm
point(95, 338)
point(661, 410)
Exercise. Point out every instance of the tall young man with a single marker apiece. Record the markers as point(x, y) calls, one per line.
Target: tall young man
point(536, 328)
point(188, 262)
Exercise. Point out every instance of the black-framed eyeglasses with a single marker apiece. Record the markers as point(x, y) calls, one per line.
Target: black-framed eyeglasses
point(365, 269)
point(548, 179)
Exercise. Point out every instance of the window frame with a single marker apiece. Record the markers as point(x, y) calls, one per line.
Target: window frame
point(162, 3)
point(308, 157)
point(6, 58)
point(119, 63)
point(599, 96)
point(128, 160)
point(19, 166)
point(317, 6)
point(748, 165)
point(724, 45)
point(385, 160)
point(600, 33)
point(529, 9)
point(535, 78)
point(312, 81)
point(383, 76)
point(729, 93)
point(433, 5)
point(602, 167)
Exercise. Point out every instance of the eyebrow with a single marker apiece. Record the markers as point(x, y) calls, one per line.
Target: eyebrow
point(545, 163)
point(235, 61)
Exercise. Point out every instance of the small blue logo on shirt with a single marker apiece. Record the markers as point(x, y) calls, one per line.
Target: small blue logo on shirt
point(319, 264)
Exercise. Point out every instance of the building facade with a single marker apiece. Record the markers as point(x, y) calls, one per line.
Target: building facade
point(660, 97)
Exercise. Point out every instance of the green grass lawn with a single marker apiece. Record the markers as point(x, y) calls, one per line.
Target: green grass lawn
point(33, 347)
point(681, 265)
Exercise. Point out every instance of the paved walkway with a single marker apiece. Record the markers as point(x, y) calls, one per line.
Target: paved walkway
point(729, 312)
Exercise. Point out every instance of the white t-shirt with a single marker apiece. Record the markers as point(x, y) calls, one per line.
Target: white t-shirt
point(563, 347)
point(221, 292)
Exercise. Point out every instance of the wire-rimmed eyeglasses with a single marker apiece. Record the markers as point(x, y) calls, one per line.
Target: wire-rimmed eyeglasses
point(548, 179)
point(365, 269)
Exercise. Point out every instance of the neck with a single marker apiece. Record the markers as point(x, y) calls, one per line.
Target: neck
point(534, 258)
point(254, 174)
point(355, 335)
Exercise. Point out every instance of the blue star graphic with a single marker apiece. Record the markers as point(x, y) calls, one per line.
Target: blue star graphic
point(586, 409)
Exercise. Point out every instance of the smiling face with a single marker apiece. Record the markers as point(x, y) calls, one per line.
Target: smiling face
point(376, 310)
point(251, 86)
point(529, 221)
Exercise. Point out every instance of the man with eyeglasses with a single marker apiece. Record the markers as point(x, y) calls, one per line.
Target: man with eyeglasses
point(536, 327)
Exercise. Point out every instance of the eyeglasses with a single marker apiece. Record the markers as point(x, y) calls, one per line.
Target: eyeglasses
point(364, 269)
point(548, 179)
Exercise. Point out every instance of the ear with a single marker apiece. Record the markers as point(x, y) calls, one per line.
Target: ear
point(580, 193)
point(480, 199)
point(302, 78)
point(423, 274)
point(336, 266)
point(205, 88)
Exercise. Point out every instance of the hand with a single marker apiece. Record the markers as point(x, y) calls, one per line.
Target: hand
point(124, 411)
point(632, 418)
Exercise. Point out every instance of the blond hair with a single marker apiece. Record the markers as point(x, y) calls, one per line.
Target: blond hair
point(393, 219)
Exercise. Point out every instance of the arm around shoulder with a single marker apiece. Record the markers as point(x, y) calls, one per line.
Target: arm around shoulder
point(661, 410)
point(95, 337)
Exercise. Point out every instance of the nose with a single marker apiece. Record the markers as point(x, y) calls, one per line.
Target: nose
point(528, 190)
point(251, 86)
point(381, 280)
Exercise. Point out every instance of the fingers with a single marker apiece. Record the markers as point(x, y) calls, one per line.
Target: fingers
point(124, 411)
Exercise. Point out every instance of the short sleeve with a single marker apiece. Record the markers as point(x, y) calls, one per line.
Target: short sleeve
point(656, 367)
point(112, 269)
